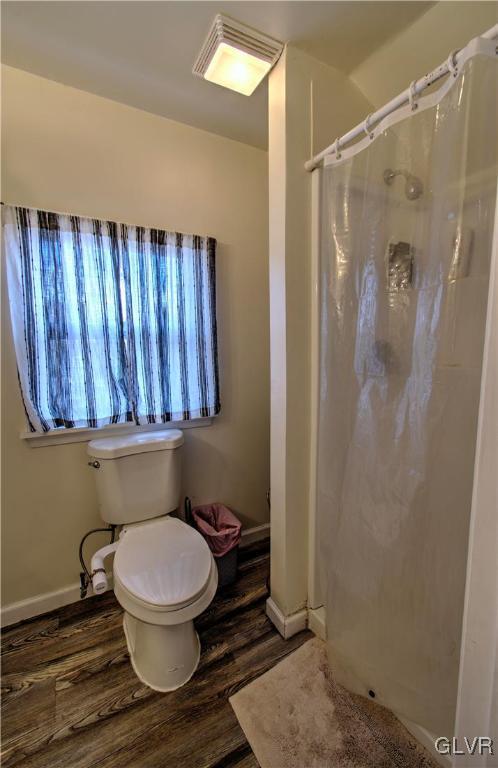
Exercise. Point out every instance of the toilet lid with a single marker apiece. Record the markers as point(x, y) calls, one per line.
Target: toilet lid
point(163, 562)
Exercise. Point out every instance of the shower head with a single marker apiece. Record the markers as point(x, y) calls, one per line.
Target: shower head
point(413, 186)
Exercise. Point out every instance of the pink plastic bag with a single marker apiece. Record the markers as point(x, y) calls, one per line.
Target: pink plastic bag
point(219, 526)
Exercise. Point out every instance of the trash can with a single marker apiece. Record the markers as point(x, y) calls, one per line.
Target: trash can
point(221, 529)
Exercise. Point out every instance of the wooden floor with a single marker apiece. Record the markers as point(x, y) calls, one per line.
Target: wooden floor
point(71, 700)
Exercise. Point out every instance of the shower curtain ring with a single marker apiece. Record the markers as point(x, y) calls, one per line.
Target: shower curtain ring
point(366, 126)
point(412, 96)
point(452, 65)
point(337, 151)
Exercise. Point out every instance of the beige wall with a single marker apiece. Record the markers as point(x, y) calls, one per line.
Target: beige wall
point(67, 150)
point(310, 104)
point(421, 47)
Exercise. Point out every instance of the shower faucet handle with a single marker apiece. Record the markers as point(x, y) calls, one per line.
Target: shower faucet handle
point(413, 185)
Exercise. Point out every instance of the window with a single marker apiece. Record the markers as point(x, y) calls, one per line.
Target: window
point(112, 323)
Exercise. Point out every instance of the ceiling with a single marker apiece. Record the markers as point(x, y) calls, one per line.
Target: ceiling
point(141, 53)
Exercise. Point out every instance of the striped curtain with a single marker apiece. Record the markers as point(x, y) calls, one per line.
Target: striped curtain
point(112, 323)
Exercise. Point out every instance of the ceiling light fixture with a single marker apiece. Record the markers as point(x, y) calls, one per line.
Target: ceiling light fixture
point(236, 56)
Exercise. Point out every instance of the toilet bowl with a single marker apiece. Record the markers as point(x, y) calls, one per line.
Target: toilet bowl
point(164, 576)
point(164, 572)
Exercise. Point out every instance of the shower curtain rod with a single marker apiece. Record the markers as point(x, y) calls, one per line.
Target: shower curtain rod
point(406, 96)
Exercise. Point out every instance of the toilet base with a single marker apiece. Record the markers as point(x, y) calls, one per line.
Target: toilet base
point(163, 657)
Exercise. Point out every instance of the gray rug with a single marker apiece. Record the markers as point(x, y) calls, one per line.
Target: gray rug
point(296, 716)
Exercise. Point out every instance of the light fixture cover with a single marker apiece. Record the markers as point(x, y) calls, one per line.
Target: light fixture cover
point(236, 56)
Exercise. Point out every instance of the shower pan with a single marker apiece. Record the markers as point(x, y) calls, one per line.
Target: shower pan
point(402, 276)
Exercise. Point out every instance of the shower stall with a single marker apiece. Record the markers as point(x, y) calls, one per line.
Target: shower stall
point(404, 226)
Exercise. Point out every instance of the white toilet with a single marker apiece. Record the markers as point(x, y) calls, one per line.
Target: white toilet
point(164, 572)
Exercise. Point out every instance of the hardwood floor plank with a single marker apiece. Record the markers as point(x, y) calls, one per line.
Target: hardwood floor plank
point(250, 588)
point(254, 551)
point(38, 704)
point(16, 634)
point(63, 640)
point(214, 735)
point(243, 757)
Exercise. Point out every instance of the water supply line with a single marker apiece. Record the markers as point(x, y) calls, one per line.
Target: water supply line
point(408, 96)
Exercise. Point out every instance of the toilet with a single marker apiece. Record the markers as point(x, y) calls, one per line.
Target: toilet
point(164, 573)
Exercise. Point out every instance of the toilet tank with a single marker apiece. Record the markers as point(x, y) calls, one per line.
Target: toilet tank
point(138, 476)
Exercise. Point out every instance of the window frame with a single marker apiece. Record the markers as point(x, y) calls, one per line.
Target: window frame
point(63, 435)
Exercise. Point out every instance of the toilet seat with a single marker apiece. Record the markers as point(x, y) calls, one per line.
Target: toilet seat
point(162, 564)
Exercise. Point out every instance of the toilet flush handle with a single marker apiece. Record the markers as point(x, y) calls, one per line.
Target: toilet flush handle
point(95, 464)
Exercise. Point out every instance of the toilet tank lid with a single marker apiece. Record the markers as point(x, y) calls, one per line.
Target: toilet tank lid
point(139, 442)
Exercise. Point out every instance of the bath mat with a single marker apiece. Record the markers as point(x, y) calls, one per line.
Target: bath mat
point(296, 716)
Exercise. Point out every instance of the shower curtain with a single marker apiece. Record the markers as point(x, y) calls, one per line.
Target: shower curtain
point(403, 295)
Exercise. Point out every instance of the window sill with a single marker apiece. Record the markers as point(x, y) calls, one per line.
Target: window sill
point(83, 435)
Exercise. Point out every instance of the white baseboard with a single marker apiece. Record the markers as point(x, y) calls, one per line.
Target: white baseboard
point(39, 604)
point(316, 622)
point(257, 533)
point(49, 601)
point(286, 625)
